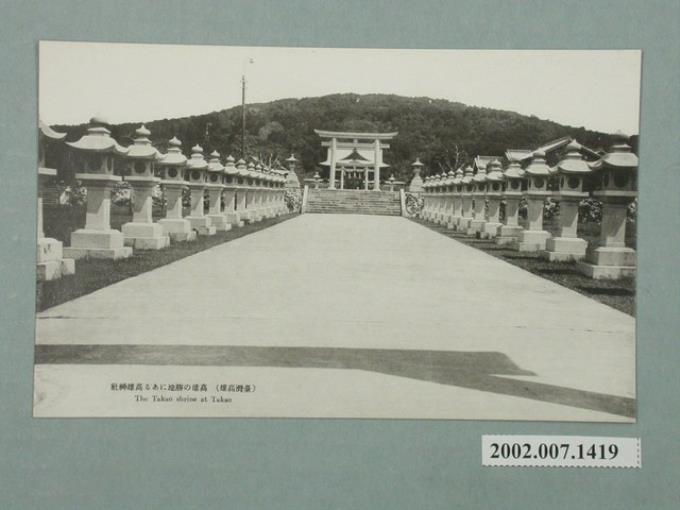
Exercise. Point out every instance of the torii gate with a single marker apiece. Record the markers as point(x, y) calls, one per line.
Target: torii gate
point(351, 150)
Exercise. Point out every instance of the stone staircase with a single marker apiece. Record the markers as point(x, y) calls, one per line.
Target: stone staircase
point(328, 201)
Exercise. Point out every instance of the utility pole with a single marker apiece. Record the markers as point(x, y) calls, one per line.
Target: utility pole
point(243, 116)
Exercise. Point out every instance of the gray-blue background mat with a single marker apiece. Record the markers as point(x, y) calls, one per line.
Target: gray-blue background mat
point(318, 464)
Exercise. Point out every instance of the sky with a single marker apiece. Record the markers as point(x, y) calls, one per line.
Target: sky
point(596, 89)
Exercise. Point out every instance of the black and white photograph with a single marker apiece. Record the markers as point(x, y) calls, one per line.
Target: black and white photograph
point(294, 232)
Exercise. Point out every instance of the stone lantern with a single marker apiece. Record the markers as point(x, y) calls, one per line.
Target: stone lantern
point(265, 193)
point(513, 191)
point(534, 237)
point(466, 195)
point(197, 168)
point(447, 198)
point(571, 172)
point(242, 191)
point(416, 185)
point(615, 175)
point(317, 179)
point(51, 263)
point(494, 191)
point(427, 199)
point(433, 189)
point(292, 180)
point(272, 185)
point(215, 186)
point(230, 180)
point(437, 189)
point(171, 167)
point(283, 190)
point(95, 153)
point(443, 202)
point(457, 199)
point(479, 193)
point(390, 182)
point(254, 194)
point(142, 233)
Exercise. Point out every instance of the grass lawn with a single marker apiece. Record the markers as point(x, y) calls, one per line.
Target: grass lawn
point(93, 274)
point(619, 294)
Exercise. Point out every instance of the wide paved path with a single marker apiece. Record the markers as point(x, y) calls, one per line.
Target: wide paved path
point(346, 315)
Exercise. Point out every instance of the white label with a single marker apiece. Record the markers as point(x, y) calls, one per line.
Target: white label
point(560, 451)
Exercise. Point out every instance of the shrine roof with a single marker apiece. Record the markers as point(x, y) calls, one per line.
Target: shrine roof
point(353, 157)
point(355, 135)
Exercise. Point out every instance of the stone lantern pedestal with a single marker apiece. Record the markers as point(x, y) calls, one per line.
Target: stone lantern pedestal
point(142, 233)
point(242, 204)
point(567, 245)
point(456, 208)
point(490, 229)
point(534, 237)
point(201, 223)
point(218, 219)
point(232, 215)
point(611, 259)
point(51, 263)
point(478, 215)
point(174, 225)
point(509, 232)
point(252, 205)
point(98, 239)
point(457, 211)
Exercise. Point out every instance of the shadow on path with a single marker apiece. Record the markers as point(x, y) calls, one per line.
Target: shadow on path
point(482, 371)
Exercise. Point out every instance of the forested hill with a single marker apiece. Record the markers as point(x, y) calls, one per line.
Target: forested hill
point(438, 131)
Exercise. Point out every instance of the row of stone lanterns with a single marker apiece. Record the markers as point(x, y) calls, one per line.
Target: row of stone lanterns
point(251, 193)
point(449, 200)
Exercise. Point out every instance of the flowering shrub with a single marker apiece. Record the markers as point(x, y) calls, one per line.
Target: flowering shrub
point(551, 209)
point(121, 194)
point(632, 211)
point(158, 198)
point(186, 197)
point(590, 211)
point(71, 196)
point(414, 204)
point(293, 199)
